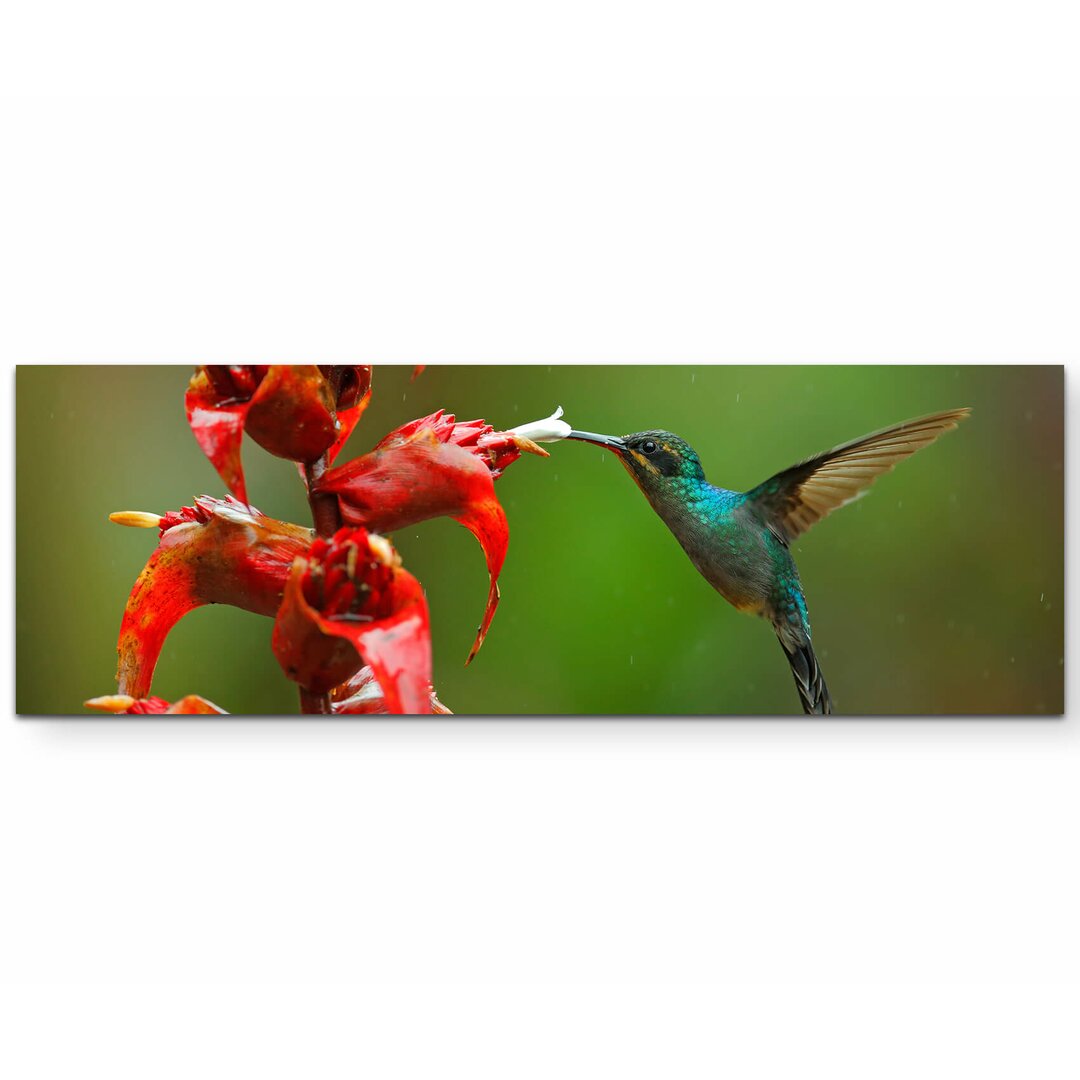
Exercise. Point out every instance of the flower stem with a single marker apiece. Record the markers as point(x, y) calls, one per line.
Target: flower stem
point(325, 512)
point(314, 704)
point(326, 515)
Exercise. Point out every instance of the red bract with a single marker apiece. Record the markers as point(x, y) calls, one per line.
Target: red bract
point(429, 468)
point(352, 391)
point(125, 705)
point(215, 552)
point(288, 409)
point(362, 695)
point(348, 602)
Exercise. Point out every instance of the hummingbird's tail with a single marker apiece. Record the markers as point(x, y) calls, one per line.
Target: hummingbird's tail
point(813, 693)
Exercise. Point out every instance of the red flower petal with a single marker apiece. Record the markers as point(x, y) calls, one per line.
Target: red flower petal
point(353, 388)
point(122, 704)
point(193, 705)
point(288, 409)
point(218, 429)
point(349, 602)
point(354, 394)
point(419, 472)
point(362, 695)
point(292, 413)
point(217, 552)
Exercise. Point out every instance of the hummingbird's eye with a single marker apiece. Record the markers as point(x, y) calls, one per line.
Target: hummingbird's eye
point(648, 447)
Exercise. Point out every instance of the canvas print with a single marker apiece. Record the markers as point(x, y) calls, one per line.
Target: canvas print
point(350, 540)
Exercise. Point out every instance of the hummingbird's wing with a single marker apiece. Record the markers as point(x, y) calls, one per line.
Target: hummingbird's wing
point(800, 496)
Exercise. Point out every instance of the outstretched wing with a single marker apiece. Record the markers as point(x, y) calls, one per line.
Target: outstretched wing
point(798, 497)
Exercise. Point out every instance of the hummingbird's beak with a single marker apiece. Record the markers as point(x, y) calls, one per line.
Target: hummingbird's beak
point(613, 442)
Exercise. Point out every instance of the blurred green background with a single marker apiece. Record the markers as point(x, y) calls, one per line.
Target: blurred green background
point(940, 592)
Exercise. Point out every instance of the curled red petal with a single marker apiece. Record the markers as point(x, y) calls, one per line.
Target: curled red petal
point(218, 427)
point(220, 553)
point(486, 520)
point(292, 413)
point(352, 386)
point(414, 475)
point(288, 409)
point(321, 648)
point(347, 419)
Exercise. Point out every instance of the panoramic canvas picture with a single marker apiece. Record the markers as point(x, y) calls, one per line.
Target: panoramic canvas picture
point(540, 540)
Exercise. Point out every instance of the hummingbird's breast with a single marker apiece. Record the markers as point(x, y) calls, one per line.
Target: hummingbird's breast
point(726, 543)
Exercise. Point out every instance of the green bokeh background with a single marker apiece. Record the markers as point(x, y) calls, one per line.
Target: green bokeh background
point(941, 592)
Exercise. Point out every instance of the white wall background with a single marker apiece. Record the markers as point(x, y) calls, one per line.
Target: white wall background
point(539, 899)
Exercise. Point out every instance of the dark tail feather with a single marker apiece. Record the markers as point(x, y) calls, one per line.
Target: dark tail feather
point(813, 693)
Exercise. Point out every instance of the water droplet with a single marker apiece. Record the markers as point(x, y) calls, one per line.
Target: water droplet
point(631, 659)
point(738, 398)
point(900, 505)
point(693, 376)
point(1041, 596)
point(952, 497)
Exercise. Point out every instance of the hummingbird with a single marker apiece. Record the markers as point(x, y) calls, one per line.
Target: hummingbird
point(740, 541)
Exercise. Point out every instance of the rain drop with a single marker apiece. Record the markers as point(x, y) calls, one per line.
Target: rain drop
point(693, 376)
point(738, 398)
point(631, 659)
point(1041, 595)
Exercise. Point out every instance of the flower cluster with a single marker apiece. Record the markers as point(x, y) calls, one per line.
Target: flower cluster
point(350, 624)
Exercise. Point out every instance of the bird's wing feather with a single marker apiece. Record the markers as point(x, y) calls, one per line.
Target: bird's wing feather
point(801, 496)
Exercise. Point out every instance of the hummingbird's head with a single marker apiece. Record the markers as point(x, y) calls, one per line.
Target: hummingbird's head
point(653, 458)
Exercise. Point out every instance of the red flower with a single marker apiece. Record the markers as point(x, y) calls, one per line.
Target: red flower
point(348, 602)
point(362, 695)
point(429, 468)
point(298, 411)
point(124, 704)
point(215, 552)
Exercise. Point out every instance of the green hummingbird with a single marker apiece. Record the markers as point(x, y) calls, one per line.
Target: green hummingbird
point(740, 542)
